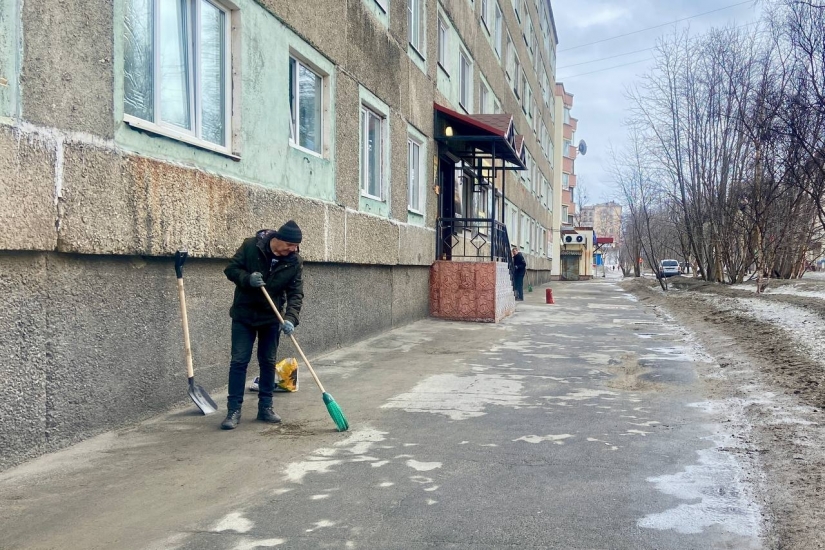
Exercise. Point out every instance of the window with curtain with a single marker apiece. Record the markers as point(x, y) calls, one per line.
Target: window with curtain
point(415, 24)
point(306, 106)
point(176, 67)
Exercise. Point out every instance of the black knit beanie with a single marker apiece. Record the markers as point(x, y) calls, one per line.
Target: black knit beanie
point(289, 232)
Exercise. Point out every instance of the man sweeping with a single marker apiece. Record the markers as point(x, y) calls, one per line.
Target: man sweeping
point(269, 259)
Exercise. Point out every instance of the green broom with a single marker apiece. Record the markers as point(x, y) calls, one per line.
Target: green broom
point(333, 408)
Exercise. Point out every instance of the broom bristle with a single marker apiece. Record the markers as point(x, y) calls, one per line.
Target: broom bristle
point(336, 413)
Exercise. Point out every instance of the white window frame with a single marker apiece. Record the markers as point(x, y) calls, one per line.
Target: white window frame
point(367, 111)
point(294, 122)
point(524, 232)
point(443, 45)
point(506, 58)
point(416, 8)
point(465, 81)
point(483, 95)
point(192, 137)
point(416, 173)
point(517, 72)
point(513, 224)
point(497, 35)
point(484, 6)
point(384, 5)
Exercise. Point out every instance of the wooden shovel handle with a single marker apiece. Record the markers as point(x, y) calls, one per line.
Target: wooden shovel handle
point(190, 371)
point(294, 341)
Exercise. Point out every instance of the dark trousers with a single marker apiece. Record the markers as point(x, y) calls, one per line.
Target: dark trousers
point(243, 338)
point(518, 285)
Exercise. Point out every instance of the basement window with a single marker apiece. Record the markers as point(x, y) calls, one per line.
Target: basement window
point(177, 67)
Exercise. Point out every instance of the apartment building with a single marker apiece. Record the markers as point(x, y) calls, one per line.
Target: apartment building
point(130, 129)
point(606, 221)
point(605, 218)
point(573, 246)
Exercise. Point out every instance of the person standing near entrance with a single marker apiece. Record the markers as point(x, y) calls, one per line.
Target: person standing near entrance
point(519, 269)
point(269, 259)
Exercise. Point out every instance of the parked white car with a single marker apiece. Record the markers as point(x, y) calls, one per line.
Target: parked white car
point(669, 268)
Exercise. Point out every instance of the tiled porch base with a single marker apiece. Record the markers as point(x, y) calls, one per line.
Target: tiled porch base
point(471, 291)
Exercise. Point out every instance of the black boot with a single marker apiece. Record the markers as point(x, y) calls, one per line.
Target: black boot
point(266, 414)
point(233, 417)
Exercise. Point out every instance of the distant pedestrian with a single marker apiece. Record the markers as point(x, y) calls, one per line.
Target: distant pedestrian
point(269, 259)
point(519, 269)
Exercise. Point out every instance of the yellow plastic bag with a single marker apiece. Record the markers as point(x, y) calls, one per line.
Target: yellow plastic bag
point(287, 371)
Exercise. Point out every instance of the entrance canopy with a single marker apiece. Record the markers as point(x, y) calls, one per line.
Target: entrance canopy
point(473, 137)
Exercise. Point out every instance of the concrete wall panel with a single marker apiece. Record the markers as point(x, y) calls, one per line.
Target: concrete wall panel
point(27, 186)
point(373, 58)
point(94, 343)
point(119, 204)
point(347, 142)
point(416, 245)
point(23, 357)
point(336, 234)
point(371, 240)
point(67, 78)
point(319, 22)
point(410, 292)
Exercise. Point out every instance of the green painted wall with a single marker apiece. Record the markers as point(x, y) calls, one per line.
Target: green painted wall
point(266, 155)
point(8, 57)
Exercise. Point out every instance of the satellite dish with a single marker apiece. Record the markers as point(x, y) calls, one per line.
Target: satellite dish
point(582, 147)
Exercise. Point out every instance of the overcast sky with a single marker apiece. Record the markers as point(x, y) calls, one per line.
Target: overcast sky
point(598, 98)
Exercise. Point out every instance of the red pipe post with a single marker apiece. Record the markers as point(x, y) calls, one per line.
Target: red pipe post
point(548, 295)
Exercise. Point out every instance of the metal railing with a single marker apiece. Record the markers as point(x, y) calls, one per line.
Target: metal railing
point(473, 238)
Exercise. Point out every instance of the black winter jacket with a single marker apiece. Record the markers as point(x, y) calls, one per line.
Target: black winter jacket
point(284, 282)
point(519, 264)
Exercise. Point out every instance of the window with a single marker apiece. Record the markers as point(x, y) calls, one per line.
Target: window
point(509, 55)
point(464, 79)
point(512, 222)
point(372, 154)
point(567, 115)
point(443, 36)
point(415, 24)
point(565, 181)
point(516, 7)
point(516, 72)
point(524, 233)
point(497, 31)
point(482, 98)
point(306, 107)
point(485, 18)
point(415, 176)
point(383, 4)
point(496, 107)
point(177, 70)
point(525, 100)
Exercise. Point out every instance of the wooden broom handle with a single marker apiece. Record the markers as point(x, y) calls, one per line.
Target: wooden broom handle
point(190, 371)
point(294, 341)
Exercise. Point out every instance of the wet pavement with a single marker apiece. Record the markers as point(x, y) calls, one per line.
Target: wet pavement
point(582, 424)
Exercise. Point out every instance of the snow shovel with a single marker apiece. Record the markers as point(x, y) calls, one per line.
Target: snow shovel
point(199, 395)
point(332, 407)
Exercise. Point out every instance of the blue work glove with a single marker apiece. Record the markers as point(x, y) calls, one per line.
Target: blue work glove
point(288, 328)
point(256, 280)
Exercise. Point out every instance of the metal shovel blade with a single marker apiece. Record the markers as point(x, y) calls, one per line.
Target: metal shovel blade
point(201, 398)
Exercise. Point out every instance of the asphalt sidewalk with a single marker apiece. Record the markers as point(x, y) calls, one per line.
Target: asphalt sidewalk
point(574, 425)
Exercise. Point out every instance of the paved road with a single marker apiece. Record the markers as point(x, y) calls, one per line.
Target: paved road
point(576, 425)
